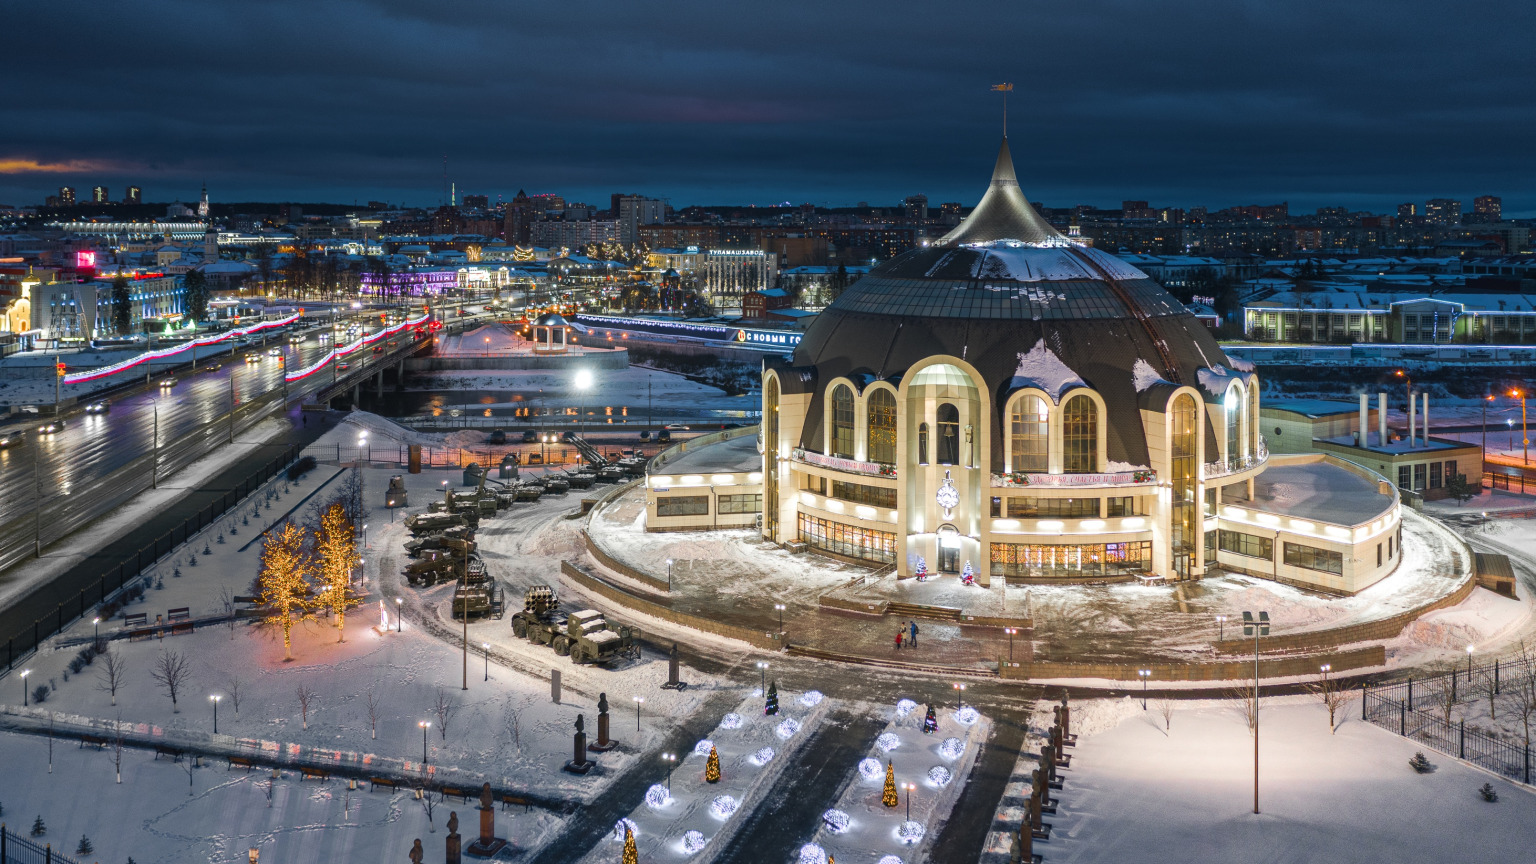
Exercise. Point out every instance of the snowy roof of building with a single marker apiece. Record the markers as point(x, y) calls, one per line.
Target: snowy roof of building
point(1321, 491)
point(735, 456)
point(1311, 407)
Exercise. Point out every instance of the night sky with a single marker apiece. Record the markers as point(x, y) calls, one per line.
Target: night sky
point(1178, 102)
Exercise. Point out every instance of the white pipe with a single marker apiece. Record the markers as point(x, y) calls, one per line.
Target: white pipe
point(1365, 422)
point(1381, 418)
point(1413, 405)
point(1426, 420)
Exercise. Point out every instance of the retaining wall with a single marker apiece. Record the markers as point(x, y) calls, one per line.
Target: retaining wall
point(615, 594)
point(1228, 670)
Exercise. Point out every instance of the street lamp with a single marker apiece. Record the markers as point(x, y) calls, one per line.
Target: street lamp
point(1525, 436)
point(24, 674)
point(909, 788)
point(780, 607)
point(1144, 674)
point(96, 622)
point(959, 696)
point(583, 384)
point(1469, 663)
point(215, 699)
point(1486, 400)
point(1221, 627)
point(670, 759)
point(638, 701)
point(425, 725)
point(762, 677)
point(487, 647)
point(669, 574)
point(1010, 631)
point(399, 614)
point(1256, 627)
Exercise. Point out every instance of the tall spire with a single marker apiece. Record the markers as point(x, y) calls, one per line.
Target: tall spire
point(1004, 213)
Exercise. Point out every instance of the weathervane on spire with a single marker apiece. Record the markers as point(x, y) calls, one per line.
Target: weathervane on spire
point(1004, 89)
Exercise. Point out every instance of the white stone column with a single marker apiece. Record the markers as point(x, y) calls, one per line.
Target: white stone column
point(1365, 420)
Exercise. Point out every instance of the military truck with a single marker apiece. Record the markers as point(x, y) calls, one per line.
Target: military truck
point(433, 567)
point(481, 600)
point(429, 523)
point(585, 636)
point(421, 545)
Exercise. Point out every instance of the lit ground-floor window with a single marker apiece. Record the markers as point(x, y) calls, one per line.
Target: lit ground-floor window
point(847, 540)
point(1078, 559)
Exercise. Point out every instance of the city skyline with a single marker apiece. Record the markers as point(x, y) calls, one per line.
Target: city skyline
point(1345, 107)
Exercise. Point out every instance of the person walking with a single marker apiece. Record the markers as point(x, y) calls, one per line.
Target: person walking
point(912, 640)
point(899, 633)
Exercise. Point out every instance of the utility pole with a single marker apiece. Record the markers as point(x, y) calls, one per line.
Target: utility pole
point(1255, 628)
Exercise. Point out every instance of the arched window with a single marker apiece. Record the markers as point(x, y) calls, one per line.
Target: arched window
point(949, 434)
point(1234, 403)
point(1080, 436)
point(842, 422)
point(882, 427)
point(922, 444)
point(1031, 425)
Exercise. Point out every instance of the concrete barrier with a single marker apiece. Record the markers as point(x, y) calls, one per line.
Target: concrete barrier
point(596, 584)
point(1228, 670)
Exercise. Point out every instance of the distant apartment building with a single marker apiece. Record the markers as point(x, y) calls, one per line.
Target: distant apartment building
point(134, 195)
point(636, 210)
point(477, 202)
point(1407, 211)
point(559, 233)
point(66, 196)
point(731, 273)
point(99, 195)
point(915, 208)
point(1443, 211)
point(1486, 209)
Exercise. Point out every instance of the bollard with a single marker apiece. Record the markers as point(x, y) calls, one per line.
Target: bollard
point(554, 686)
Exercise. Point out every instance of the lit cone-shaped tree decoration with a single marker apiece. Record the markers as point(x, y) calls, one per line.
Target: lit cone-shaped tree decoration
point(631, 855)
point(771, 707)
point(712, 767)
point(930, 722)
point(889, 798)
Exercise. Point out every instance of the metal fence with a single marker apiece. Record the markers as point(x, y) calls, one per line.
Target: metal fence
point(1392, 707)
point(16, 849)
point(132, 565)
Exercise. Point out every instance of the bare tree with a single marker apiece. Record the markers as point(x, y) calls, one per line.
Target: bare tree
point(1521, 685)
point(171, 671)
point(424, 795)
point(1444, 694)
point(189, 764)
point(306, 698)
point(227, 602)
point(373, 715)
point(117, 747)
point(1483, 683)
point(1333, 696)
point(1246, 698)
point(512, 718)
point(1165, 708)
point(109, 673)
point(232, 683)
point(270, 786)
point(443, 707)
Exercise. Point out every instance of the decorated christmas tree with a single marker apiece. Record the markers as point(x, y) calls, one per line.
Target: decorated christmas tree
point(968, 575)
point(712, 767)
point(889, 798)
point(930, 722)
point(921, 572)
point(771, 707)
point(631, 856)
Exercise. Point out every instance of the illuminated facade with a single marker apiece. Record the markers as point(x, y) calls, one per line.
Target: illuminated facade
point(1042, 411)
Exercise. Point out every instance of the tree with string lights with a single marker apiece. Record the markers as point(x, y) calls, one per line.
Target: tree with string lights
point(283, 581)
point(335, 558)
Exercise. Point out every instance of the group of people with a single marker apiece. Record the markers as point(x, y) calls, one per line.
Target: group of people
point(907, 632)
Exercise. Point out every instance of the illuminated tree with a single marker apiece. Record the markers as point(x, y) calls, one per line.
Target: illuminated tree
point(631, 855)
point(889, 798)
point(335, 557)
point(712, 767)
point(771, 706)
point(283, 582)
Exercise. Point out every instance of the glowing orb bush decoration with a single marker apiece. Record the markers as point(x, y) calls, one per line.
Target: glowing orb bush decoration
point(811, 698)
point(788, 728)
point(703, 747)
point(967, 716)
point(952, 748)
point(910, 832)
point(888, 741)
point(938, 775)
point(657, 797)
point(836, 821)
point(730, 721)
point(722, 807)
point(905, 707)
point(693, 841)
point(810, 853)
point(871, 768)
point(619, 826)
point(763, 756)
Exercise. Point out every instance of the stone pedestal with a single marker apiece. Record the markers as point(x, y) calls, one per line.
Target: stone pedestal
point(672, 682)
point(487, 844)
point(579, 763)
point(604, 743)
point(453, 840)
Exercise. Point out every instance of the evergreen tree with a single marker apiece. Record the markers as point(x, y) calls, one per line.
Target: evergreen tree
point(631, 855)
point(38, 828)
point(1489, 793)
point(336, 554)
point(196, 288)
point(284, 580)
point(771, 707)
point(122, 306)
point(1420, 764)
point(85, 847)
point(712, 767)
point(889, 798)
point(930, 722)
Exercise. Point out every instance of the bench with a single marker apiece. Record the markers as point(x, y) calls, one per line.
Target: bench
point(183, 628)
point(1150, 578)
point(241, 762)
point(168, 751)
point(382, 781)
point(93, 740)
point(241, 598)
point(509, 800)
point(180, 614)
point(137, 619)
point(318, 773)
point(454, 792)
point(141, 635)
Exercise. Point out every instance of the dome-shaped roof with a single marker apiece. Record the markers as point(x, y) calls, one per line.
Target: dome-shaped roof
point(1011, 296)
point(551, 319)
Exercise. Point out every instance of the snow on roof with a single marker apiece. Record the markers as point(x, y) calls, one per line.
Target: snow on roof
point(1216, 379)
point(1021, 262)
point(1144, 376)
point(1240, 364)
point(1042, 368)
point(1313, 407)
point(1318, 490)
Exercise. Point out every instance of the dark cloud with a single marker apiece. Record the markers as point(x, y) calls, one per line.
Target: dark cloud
point(1178, 101)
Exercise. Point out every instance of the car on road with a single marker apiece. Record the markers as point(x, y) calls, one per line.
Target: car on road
point(169, 381)
point(343, 366)
point(101, 407)
point(213, 367)
point(676, 427)
point(51, 427)
point(253, 358)
point(530, 437)
point(10, 439)
point(274, 352)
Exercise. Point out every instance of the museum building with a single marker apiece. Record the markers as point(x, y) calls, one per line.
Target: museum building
point(1009, 399)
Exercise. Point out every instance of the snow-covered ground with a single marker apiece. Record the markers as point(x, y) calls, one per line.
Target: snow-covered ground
point(1138, 792)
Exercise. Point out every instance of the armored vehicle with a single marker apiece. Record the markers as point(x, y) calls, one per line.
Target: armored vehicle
point(430, 523)
point(585, 636)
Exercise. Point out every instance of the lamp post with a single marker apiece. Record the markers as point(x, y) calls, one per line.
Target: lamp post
point(96, 622)
point(1486, 400)
point(959, 696)
point(425, 725)
point(1525, 436)
point(1255, 627)
point(583, 383)
point(24, 674)
point(1144, 674)
point(1408, 395)
point(399, 615)
point(638, 701)
point(1010, 631)
point(1221, 627)
point(909, 788)
point(780, 607)
point(486, 646)
point(215, 699)
point(762, 677)
point(1325, 669)
point(670, 759)
point(1469, 664)
point(669, 574)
